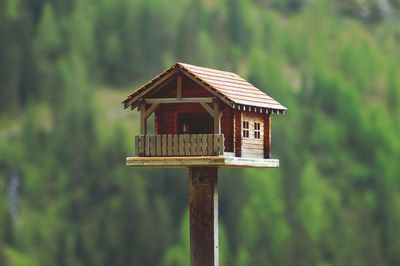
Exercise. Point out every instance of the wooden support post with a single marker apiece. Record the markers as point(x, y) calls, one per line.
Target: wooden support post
point(151, 109)
point(203, 205)
point(208, 109)
point(217, 117)
point(143, 120)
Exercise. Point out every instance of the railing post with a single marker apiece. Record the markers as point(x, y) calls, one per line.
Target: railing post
point(139, 142)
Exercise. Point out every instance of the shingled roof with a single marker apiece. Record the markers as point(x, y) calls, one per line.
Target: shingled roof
point(229, 87)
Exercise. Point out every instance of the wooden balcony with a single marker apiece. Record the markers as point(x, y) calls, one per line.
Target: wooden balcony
point(173, 145)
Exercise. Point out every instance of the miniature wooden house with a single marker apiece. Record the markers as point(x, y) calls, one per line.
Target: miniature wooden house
point(203, 112)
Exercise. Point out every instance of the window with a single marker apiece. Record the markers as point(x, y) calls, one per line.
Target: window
point(257, 130)
point(246, 129)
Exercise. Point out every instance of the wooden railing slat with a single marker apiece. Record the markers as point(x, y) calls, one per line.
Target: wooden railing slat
point(192, 144)
point(215, 145)
point(137, 146)
point(187, 144)
point(221, 144)
point(169, 144)
point(158, 145)
point(205, 144)
point(142, 145)
point(199, 144)
point(175, 145)
point(152, 145)
point(164, 145)
point(181, 145)
point(210, 144)
point(147, 146)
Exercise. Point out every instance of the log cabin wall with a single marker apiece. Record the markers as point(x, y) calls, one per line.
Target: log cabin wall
point(267, 136)
point(167, 90)
point(237, 129)
point(227, 128)
point(166, 120)
point(167, 116)
point(253, 140)
point(190, 89)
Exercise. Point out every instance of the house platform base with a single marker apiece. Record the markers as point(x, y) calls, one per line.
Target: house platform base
point(201, 161)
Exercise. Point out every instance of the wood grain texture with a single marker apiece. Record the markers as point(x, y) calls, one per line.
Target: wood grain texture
point(175, 144)
point(208, 161)
point(178, 101)
point(227, 121)
point(203, 206)
point(153, 148)
point(217, 118)
point(141, 145)
point(143, 121)
point(255, 145)
point(164, 145)
point(267, 136)
point(179, 87)
point(207, 108)
point(252, 147)
point(206, 148)
point(237, 132)
point(169, 145)
point(179, 145)
point(229, 87)
point(158, 144)
point(137, 146)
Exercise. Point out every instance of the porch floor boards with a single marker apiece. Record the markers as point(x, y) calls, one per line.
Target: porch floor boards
point(203, 161)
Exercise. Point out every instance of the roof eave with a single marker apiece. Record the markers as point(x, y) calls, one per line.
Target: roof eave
point(133, 98)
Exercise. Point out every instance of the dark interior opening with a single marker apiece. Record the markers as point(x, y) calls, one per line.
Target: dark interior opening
point(196, 123)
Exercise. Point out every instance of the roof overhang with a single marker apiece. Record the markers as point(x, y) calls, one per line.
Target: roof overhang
point(134, 99)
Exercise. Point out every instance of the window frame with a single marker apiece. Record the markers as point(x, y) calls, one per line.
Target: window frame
point(246, 129)
point(257, 130)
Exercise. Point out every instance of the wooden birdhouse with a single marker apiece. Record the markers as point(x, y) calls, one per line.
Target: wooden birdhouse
point(204, 117)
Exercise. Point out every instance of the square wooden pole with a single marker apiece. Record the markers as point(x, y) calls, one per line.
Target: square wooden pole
point(203, 205)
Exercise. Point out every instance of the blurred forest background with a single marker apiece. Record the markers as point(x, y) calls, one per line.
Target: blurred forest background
point(66, 197)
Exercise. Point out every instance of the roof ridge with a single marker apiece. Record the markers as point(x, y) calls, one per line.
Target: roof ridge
point(186, 66)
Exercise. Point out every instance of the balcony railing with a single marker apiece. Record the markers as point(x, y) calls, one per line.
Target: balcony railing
point(179, 145)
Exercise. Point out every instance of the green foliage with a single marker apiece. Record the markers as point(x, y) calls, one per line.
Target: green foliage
point(179, 254)
point(334, 64)
point(263, 210)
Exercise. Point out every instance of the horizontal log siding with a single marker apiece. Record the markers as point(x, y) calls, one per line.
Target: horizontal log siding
point(191, 89)
point(166, 122)
point(237, 128)
point(166, 115)
point(227, 128)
